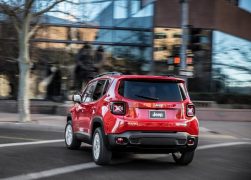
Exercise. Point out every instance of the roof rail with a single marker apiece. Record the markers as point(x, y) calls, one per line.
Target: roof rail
point(109, 73)
point(169, 75)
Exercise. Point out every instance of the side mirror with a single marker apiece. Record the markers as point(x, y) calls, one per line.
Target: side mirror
point(76, 98)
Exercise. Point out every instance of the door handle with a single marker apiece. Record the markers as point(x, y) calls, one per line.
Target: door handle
point(79, 108)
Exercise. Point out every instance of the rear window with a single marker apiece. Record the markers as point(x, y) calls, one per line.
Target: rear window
point(150, 90)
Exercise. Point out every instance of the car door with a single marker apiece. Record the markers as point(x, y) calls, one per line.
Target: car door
point(91, 105)
point(84, 108)
point(87, 109)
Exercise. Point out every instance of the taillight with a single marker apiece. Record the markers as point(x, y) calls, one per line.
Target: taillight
point(118, 108)
point(190, 110)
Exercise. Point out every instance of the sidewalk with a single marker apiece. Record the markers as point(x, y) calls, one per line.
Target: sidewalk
point(45, 120)
point(221, 114)
point(37, 107)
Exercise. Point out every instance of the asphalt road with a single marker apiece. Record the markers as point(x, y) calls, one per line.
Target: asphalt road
point(33, 151)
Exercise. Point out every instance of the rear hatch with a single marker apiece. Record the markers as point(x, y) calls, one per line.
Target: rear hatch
point(153, 104)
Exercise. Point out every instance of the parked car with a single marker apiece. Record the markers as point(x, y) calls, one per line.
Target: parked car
point(134, 113)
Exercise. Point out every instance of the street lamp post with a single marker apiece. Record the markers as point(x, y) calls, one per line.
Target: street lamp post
point(184, 26)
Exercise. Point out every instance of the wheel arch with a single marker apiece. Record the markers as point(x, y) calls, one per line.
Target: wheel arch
point(69, 118)
point(96, 122)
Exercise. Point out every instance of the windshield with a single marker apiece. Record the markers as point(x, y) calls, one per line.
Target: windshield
point(150, 90)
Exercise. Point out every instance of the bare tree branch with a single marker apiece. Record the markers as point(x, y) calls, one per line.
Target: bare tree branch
point(12, 13)
point(33, 30)
point(15, 23)
point(67, 1)
point(28, 6)
point(90, 2)
point(8, 10)
point(48, 8)
point(65, 13)
point(34, 27)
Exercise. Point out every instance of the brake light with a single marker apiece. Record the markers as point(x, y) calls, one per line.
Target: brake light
point(118, 108)
point(190, 110)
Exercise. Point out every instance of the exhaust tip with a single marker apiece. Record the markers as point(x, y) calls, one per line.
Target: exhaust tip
point(190, 142)
point(121, 140)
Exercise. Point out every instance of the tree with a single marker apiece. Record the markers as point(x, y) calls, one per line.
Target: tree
point(25, 18)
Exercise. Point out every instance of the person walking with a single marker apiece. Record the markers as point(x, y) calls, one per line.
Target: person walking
point(84, 70)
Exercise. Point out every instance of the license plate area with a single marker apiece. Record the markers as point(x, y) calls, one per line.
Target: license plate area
point(157, 114)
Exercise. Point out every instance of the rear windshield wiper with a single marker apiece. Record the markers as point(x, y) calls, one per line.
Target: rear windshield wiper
point(147, 97)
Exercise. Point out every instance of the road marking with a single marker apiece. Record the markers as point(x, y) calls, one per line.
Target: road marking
point(19, 138)
point(54, 172)
point(248, 139)
point(203, 129)
point(78, 167)
point(210, 146)
point(31, 143)
point(217, 136)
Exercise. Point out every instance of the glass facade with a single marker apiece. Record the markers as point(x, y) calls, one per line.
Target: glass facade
point(167, 44)
point(166, 53)
point(231, 64)
point(119, 35)
point(112, 35)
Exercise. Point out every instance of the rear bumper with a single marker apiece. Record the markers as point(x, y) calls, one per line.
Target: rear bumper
point(151, 142)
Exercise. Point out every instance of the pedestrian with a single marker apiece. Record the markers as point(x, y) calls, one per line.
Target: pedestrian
point(54, 85)
point(84, 70)
point(99, 60)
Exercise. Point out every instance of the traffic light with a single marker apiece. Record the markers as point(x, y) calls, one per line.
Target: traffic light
point(176, 60)
point(194, 44)
point(199, 39)
point(175, 50)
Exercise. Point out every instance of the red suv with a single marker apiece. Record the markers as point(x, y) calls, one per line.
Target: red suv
point(135, 113)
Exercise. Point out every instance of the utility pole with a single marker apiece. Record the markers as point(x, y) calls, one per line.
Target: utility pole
point(184, 26)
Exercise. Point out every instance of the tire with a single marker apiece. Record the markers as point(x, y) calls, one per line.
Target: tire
point(101, 154)
point(183, 158)
point(71, 140)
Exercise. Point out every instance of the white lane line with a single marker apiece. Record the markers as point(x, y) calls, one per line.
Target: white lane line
point(203, 129)
point(210, 146)
point(78, 167)
point(53, 172)
point(31, 143)
point(217, 136)
point(248, 139)
point(19, 138)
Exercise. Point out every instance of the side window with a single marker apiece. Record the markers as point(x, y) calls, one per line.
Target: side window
point(106, 86)
point(99, 89)
point(182, 91)
point(88, 94)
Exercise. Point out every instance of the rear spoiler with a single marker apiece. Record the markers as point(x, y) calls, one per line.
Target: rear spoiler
point(155, 78)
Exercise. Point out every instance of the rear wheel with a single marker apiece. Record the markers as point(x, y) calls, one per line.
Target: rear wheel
point(101, 154)
point(183, 158)
point(71, 140)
